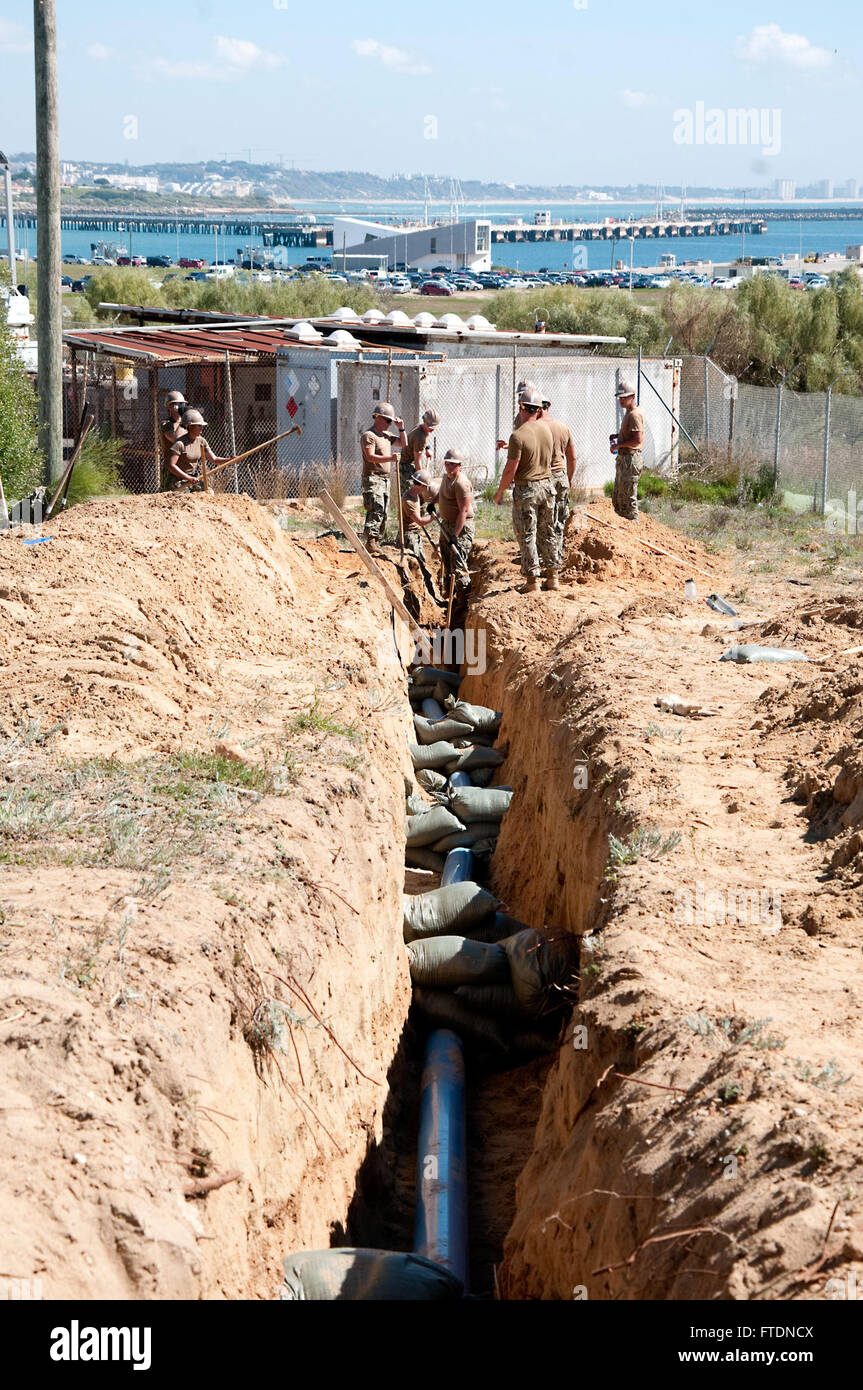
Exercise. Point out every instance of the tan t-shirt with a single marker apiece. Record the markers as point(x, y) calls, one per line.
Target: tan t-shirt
point(631, 425)
point(417, 444)
point(411, 512)
point(562, 437)
point(172, 430)
point(189, 454)
point(453, 493)
point(532, 444)
point(381, 447)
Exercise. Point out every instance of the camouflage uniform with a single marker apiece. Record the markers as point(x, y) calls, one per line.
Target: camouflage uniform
point(626, 474)
point(561, 511)
point(376, 500)
point(533, 524)
point(455, 553)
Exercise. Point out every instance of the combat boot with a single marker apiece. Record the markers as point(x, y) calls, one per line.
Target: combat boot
point(550, 582)
point(530, 586)
point(372, 545)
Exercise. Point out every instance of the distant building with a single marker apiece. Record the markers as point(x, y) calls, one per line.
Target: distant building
point(849, 189)
point(784, 190)
point(457, 245)
point(824, 188)
point(542, 219)
point(135, 183)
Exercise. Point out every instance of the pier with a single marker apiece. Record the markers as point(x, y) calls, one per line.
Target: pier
point(641, 229)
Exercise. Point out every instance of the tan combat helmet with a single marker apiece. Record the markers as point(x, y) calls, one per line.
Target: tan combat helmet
point(175, 398)
point(431, 418)
point(385, 410)
point(194, 417)
point(624, 389)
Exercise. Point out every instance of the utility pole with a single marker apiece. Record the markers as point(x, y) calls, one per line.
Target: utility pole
point(49, 316)
point(10, 217)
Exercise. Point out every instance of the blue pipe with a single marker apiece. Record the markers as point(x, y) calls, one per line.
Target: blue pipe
point(440, 1229)
point(432, 709)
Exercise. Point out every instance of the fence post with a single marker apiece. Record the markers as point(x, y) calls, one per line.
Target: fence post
point(230, 395)
point(638, 381)
point(776, 436)
point(706, 398)
point(826, 462)
point(731, 404)
point(514, 379)
point(114, 401)
point(157, 432)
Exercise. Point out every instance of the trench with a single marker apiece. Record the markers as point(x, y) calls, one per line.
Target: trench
point(503, 1096)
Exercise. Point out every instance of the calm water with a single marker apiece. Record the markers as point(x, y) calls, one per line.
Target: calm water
point(782, 237)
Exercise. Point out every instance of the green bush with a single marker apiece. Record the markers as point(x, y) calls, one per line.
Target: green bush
point(97, 471)
point(571, 310)
point(21, 464)
point(722, 489)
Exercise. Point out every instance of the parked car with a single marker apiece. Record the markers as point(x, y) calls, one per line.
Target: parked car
point(401, 286)
point(436, 287)
point(74, 260)
point(139, 260)
point(191, 263)
point(197, 275)
point(816, 282)
point(159, 262)
point(66, 281)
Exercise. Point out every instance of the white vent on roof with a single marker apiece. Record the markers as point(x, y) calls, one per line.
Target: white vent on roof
point(341, 338)
point(478, 323)
point(303, 332)
point(424, 320)
point(449, 321)
point(398, 316)
point(345, 315)
point(373, 316)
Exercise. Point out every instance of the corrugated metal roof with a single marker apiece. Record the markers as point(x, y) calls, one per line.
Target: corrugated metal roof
point(177, 345)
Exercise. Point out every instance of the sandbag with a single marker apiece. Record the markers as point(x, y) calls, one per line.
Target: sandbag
point(500, 1000)
point(442, 692)
point(540, 969)
point(433, 674)
point(478, 830)
point(478, 804)
point(479, 717)
point(495, 928)
point(416, 805)
point(442, 1008)
point(434, 755)
point(443, 962)
point(484, 847)
point(475, 756)
point(750, 652)
point(430, 780)
point(346, 1274)
point(433, 730)
point(448, 911)
point(424, 859)
point(431, 826)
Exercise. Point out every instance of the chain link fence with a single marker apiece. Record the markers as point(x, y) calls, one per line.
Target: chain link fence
point(811, 443)
point(331, 397)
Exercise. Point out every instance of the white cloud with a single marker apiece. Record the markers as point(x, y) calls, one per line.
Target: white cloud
point(99, 52)
point(394, 58)
point(769, 44)
point(14, 38)
point(635, 99)
point(243, 56)
point(231, 58)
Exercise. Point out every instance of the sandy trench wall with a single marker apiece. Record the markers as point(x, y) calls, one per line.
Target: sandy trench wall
point(131, 1015)
point(717, 1178)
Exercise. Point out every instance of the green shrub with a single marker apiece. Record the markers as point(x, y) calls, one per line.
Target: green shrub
point(97, 471)
point(21, 465)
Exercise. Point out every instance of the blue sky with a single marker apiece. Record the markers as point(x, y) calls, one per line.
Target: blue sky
point(558, 91)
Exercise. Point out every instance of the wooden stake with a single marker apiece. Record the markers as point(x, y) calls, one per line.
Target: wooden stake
point(657, 549)
point(86, 425)
point(451, 597)
point(345, 526)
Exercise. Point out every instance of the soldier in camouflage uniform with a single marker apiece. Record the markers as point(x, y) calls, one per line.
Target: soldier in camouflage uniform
point(456, 511)
point(415, 520)
point(528, 468)
point(562, 473)
point(377, 449)
point(416, 451)
point(627, 448)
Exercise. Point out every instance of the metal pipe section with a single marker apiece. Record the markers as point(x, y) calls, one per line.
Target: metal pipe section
point(440, 1230)
point(432, 709)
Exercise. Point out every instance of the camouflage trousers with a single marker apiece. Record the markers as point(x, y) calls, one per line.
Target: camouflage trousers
point(561, 510)
point(376, 500)
point(626, 474)
point(414, 546)
point(406, 472)
point(455, 553)
point(533, 524)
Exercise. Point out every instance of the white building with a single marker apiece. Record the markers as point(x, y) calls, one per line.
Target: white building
point(457, 245)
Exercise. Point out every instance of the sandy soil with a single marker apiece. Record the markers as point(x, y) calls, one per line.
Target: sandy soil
point(702, 1134)
point(201, 830)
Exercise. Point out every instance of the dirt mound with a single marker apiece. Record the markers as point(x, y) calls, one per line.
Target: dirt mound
point(608, 551)
point(203, 728)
